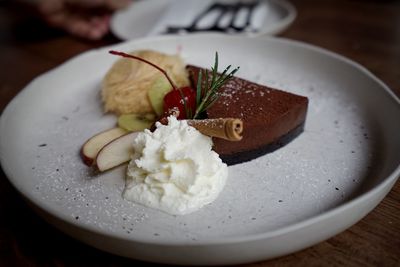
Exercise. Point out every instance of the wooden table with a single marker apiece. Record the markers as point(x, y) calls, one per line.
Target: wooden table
point(367, 32)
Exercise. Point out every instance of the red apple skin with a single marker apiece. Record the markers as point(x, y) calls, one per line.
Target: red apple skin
point(118, 149)
point(88, 161)
point(92, 146)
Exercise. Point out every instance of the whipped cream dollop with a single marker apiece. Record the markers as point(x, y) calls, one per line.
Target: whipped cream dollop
point(174, 169)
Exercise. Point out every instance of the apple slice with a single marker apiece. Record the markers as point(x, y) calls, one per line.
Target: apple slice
point(134, 122)
point(156, 94)
point(116, 152)
point(93, 145)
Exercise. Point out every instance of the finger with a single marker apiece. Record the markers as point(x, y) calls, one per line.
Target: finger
point(56, 19)
point(95, 33)
point(86, 3)
point(82, 28)
point(78, 28)
point(50, 6)
point(110, 4)
point(99, 26)
point(83, 24)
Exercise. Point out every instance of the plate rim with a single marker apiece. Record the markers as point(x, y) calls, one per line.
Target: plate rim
point(365, 196)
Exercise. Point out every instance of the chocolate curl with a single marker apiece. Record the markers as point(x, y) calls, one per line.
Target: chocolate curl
point(226, 128)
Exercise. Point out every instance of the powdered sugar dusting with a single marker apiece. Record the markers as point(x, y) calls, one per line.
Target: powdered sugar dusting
point(337, 132)
point(331, 162)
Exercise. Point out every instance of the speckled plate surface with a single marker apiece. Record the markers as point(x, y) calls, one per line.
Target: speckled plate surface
point(322, 182)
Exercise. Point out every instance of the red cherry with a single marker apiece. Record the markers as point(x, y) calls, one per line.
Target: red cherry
point(174, 99)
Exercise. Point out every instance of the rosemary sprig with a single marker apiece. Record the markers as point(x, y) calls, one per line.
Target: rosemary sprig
point(206, 91)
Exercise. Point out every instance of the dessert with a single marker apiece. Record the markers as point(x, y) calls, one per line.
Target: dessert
point(271, 117)
point(174, 169)
point(174, 135)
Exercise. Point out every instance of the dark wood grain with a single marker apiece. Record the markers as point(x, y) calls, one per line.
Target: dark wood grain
point(367, 32)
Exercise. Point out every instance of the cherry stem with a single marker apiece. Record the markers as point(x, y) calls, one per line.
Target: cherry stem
point(122, 54)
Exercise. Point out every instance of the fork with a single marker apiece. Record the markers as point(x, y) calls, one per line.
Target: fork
point(223, 9)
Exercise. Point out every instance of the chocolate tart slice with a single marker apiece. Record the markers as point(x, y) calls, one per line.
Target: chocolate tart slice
point(271, 117)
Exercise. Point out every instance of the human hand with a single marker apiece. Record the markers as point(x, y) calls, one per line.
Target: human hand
point(84, 18)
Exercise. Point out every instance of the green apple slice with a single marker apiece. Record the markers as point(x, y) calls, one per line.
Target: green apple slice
point(156, 94)
point(136, 122)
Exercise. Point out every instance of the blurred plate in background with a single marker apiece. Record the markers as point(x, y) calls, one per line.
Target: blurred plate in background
point(154, 17)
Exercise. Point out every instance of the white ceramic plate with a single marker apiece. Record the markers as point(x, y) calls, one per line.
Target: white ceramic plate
point(322, 182)
point(150, 17)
